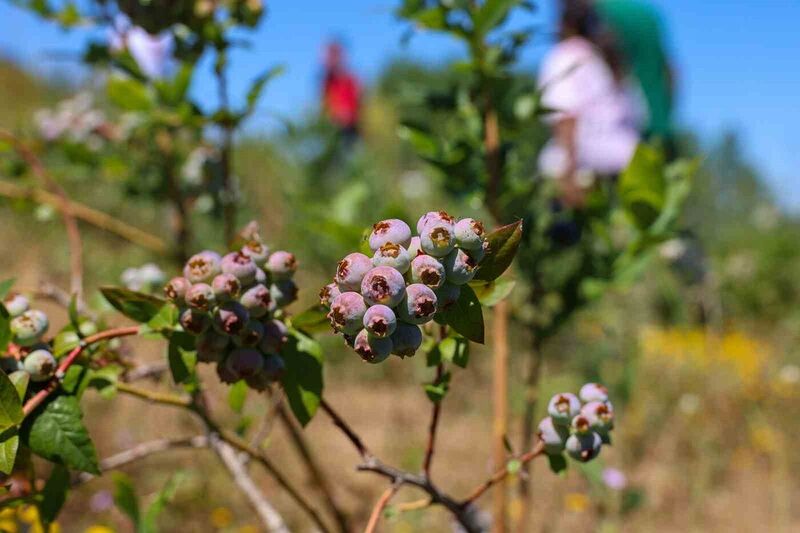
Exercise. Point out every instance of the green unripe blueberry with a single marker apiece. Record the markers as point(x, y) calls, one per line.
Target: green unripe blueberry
point(406, 339)
point(16, 304)
point(40, 364)
point(281, 265)
point(29, 327)
point(372, 349)
point(274, 367)
point(392, 255)
point(225, 374)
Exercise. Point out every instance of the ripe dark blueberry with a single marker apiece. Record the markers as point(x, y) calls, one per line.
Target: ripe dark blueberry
point(211, 346)
point(275, 336)
point(195, 322)
point(283, 292)
point(230, 318)
point(447, 295)
point(584, 447)
point(406, 339)
point(274, 367)
point(244, 362)
point(251, 334)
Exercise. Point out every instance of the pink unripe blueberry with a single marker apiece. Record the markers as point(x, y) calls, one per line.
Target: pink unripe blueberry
point(275, 336)
point(600, 416)
point(428, 271)
point(584, 447)
point(392, 255)
point(406, 339)
point(380, 321)
point(372, 349)
point(257, 300)
point(460, 267)
point(563, 408)
point(281, 265)
point(40, 364)
point(447, 295)
point(351, 271)
point(434, 216)
point(211, 346)
point(437, 238)
point(328, 294)
point(257, 251)
point(241, 266)
point(554, 437)
point(393, 231)
point(226, 287)
point(200, 296)
point(415, 248)
point(29, 327)
point(469, 234)
point(593, 392)
point(418, 306)
point(347, 313)
point(16, 304)
point(230, 318)
point(202, 267)
point(244, 362)
point(195, 322)
point(176, 288)
point(261, 277)
point(383, 285)
point(283, 292)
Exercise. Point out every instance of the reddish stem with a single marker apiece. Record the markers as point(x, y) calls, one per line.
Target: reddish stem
point(437, 407)
point(37, 399)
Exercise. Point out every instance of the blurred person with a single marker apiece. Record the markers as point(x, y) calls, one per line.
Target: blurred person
point(640, 35)
point(596, 116)
point(341, 93)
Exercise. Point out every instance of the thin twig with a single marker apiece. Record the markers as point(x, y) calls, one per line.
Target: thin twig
point(154, 396)
point(317, 474)
point(346, 429)
point(502, 473)
point(71, 224)
point(143, 450)
point(415, 505)
point(270, 517)
point(87, 214)
point(380, 505)
point(147, 371)
point(437, 407)
point(40, 396)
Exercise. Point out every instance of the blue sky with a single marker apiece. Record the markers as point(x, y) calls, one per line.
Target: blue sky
point(738, 61)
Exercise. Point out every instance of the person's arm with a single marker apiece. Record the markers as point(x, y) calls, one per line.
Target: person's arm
point(572, 194)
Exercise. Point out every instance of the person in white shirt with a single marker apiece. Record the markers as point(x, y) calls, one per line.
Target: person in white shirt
point(596, 115)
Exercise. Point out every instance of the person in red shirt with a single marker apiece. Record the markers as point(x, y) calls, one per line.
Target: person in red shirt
point(341, 92)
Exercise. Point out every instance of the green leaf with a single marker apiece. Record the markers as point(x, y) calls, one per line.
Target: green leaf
point(10, 403)
point(9, 444)
point(20, 379)
point(65, 341)
point(302, 380)
point(237, 396)
point(125, 497)
point(503, 244)
point(135, 305)
point(166, 318)
point(312, 320)
point(491, 14)
point(57, 433)
point(165, 495)
point(494, 292)
point(172, 92)
point(72, 312)
point(54, 494)
point(423, 142)
point(465, 316)
point(455, 350)
point(558, 463)
point(5, 287)
point(642, 186)
point(438, 390)
point(181, 356)
point(129, 94)
point(257, 87)
point(5, 328)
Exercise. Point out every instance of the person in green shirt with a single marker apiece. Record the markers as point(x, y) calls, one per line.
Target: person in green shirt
point(639, 34)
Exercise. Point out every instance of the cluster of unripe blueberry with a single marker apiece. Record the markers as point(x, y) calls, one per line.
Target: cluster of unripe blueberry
point(379, 303)
point(232, 304)
point(578, 424)
point(28, 326)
